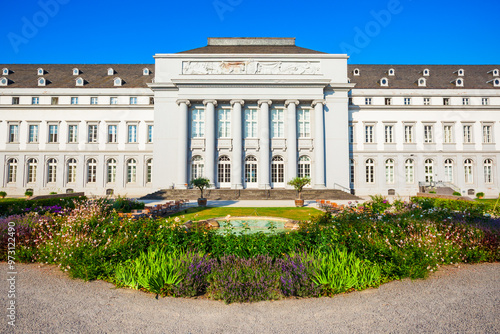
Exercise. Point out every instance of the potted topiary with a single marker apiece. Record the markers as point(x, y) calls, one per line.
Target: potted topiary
point(480, 195)
point(3, 194)
point(201, 183)
point(299, 183)
point(28, 193)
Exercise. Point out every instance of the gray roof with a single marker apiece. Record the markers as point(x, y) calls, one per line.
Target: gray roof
point(253, 49)
point(407, 76)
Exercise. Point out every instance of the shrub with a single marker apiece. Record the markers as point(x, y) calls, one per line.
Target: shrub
point(456, 193)
point(28, 193)
point(480, 195)
point(124, 204)
point(432, 192)
point(201, 183)
point(298, 183)
point(16, 206)
point(193, 273)
point(3, 194)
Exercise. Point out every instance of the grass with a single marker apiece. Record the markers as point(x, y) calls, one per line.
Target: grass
point(199, 213)
point(10, 200)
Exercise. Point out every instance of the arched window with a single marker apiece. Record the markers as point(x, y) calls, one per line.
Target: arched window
point(277, 170)
point(12, 170)
point(410, 171)
point(429, 170)
point(389, 171)
point(32, 164)
point(111, 170)
point(149, 170)
point(71, 170)
point(488, 171)
point(131, 171)
point(304, 166)
point(370, 171)
point(51, 170)
point(468, 171)
point(224, 170)
point(352, 171)
point(448, 170)
point(91, 170)
point(197, 167)
point(250, 170)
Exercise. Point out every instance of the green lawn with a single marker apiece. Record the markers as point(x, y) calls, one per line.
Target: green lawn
point(199, 213)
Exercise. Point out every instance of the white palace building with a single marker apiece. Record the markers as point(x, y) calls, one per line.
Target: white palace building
point(249, 113)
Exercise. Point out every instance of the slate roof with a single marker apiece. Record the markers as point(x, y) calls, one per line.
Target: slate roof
point(407, 76)
point(252, 49)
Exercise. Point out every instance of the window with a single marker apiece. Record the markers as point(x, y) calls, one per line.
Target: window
point(409, 171)
point(224, 123)
point(91, 170)
point(428, 135)
point(13, 133)
point(391, 71)
point(42, 82)
point(133, 100)
point(15, 100)
point(384, 82)
point(485, 101)
point(448, 133)
point(277, 170)
point(5, 71)
point(488, 171)
point(368, 101)
point(350, 101)
point(460, 72)
point(467, 133)
point(111, 71)
point(150, 133)
point(32, 164)
point(35, 100)
point(117, 82)
point(92, 133)
point(389, 134)
point(426, 72)
point(446, 101)
point(113, 100)
point(224, 170)
point(40, 71)
point(131, 171)
point(422, 82)
point(76, 71)
point(132, 133)
point(388, 101)
point(112, 133)
point(351, 134)
point(33, 133)
point(429, 170)
point(370, 171)
point(111, 171)
point(151, 100)
point(250, 169)
point(407, 101)
point(468, 171)
point(304, 123)
point(4, 81)
point(251, 123)
point(277, 123)
point(54, 100)
point(465, 101)
point(459, 83)
point(389, 171)
point(487, 138)
point(356, 71)
point(72, 133)
point(149, 170)
point(71, 170)
point(145, 71)
point(352, 171)
point(304, 166)
point(448, 170)
point(369, 134)
point(197, 167)
point(198, 123)
point(93, 100)
point(12, 170)
point(51, 170)
point(79, 82)
point(53, 133)
point(408, 134)
point(427, 101)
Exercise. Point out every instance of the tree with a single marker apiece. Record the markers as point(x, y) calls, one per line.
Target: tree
point(201, 183)
point(299, 183)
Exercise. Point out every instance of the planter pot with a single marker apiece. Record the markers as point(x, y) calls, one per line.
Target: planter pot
point(480, 197)
point(202, 202)
point(299, 203)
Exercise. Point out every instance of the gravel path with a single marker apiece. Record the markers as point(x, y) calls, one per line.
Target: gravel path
point(461, 299)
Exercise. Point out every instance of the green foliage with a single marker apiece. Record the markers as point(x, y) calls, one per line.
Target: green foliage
point(201, 183)
point(28, 193)
point(456, 193)
point(432, 192)
point(3, 194)
point(480, 195)
point(53, 193)
point(124, 204)
point(298, 183)
point(13, 206)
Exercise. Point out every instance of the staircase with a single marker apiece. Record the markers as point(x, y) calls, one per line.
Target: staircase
point(250, 194)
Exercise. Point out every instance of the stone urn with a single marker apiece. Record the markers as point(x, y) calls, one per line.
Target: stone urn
point(202, 202)
point(299, 203)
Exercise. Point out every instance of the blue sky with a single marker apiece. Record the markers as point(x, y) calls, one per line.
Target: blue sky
point(371, 32)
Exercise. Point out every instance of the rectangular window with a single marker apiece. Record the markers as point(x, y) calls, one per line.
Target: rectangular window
point(304, 123)
point(52, 133)
point(92, 133)
point(277, 123)
point(407, 101)
point(74, 100)
point(465, 101)
point(113, 100)
point(368, 101)
point(33, 133)
point(133, 100)
point(446, 101)
point(351, 134)
point(427, 101)
point(251, 123)
point(224, 123)
point(132, 133)
point(485, 101)
point(369, 134)
point(150, 133)
point(112, 133)
point(35, 100)
point(467, 133)
point(389, 134)
point(408, 133)
point(448, 134)
point(151, 100)
point(428, 135)
point(72, 171)
point(15, 100)
point(350, 101)
point(198, 123)
point(388, 101)
point(54, 100)
point(13, 133)
point(93, 100)
point(72, 133)
point(487, 138)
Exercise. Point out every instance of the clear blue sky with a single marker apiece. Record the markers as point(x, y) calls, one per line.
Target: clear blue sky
point(370, 31)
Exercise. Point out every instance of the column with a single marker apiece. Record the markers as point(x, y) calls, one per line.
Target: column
point(236, 129)
point(210, 140)
point(183, 148)
point(264, 145)
point(319, 144)
point(291, 139)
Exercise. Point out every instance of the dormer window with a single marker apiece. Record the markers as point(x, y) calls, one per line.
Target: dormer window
point(459, 82)
point(356, 71)
point(495, 72)
point(384, 82)
point(4, 81)
point(145, 71)
point(422, 82)
point(42, 82)
point(460, 72)
point(79, 82)
point(391, 71)
point(117, 82)
point(40, 71)
point(76, 71)
point(426, 72)
point(111, 71)
point(496, 82)
point(5, 71)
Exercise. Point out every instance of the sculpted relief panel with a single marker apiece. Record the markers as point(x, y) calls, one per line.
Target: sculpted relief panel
point(250, 67)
